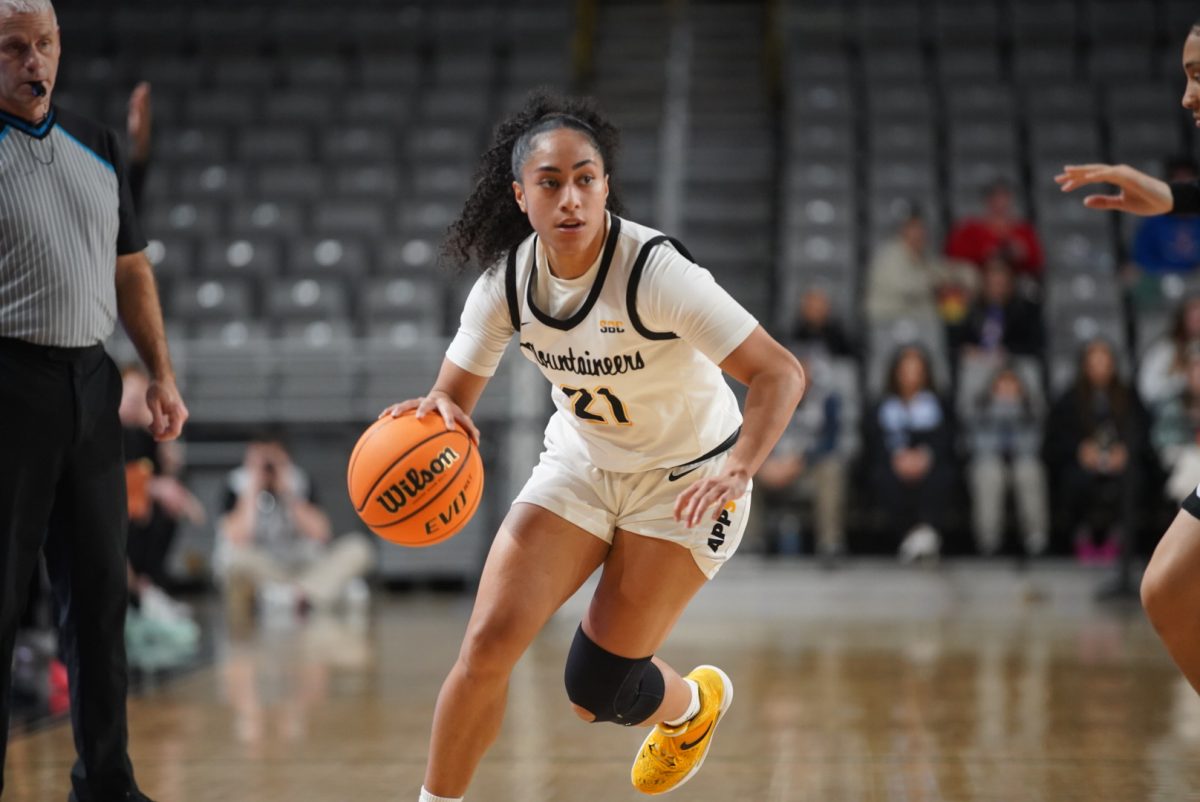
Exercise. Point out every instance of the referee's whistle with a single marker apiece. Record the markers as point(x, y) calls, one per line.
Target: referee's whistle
point(38, 89)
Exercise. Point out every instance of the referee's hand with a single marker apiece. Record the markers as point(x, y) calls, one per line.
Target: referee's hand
point(166, 408)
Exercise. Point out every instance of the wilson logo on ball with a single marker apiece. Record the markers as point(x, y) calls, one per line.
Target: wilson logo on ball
point(395, 497)
point(413, 481)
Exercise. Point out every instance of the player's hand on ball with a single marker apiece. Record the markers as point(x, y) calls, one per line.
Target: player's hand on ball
point(719, 490)
point(451, 412)
point(1139, 193)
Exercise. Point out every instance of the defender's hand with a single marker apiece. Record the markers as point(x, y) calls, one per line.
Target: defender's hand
point(1139, 193)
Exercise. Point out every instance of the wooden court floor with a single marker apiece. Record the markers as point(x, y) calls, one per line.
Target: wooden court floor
point(867, 683)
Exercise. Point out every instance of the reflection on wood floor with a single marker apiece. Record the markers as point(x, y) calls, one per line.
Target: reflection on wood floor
point(868, 683)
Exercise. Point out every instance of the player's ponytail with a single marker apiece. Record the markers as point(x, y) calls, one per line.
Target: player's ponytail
point(491, 222)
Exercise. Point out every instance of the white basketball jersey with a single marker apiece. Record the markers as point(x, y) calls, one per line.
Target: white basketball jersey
point(629, 398)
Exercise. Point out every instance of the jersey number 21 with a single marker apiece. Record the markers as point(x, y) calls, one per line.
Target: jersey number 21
point(585, 398)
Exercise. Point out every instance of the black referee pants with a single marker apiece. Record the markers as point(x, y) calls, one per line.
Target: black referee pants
point(62, 490)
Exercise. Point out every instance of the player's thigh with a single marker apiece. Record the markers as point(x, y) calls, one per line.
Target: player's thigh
point(537, 561)
point(1174, 570)
point(646, 585)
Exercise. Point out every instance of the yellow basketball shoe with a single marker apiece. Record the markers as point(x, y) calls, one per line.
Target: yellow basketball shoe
point(671, 755)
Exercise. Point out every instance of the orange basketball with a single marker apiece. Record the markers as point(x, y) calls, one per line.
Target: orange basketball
point(414, 482)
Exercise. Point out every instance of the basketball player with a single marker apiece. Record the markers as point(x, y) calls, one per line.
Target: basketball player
point(1170, 591)
point(646, 439)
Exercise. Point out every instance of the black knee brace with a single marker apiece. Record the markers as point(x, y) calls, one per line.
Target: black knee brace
point(612, 688)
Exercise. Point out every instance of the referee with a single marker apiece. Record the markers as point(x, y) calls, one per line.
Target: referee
point(71, 262)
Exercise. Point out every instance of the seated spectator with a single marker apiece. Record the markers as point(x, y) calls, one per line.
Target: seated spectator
point(1169, 243)
point(1005, 438)
point(158, 500)
point(1161, 373)
point(1001, 321)
point(910, 448)
point(816, 326)
point(1176, 435)
point(906, 281)
point(810, 458)
point(274, 540)
point(1095, 440)
point(999, 233)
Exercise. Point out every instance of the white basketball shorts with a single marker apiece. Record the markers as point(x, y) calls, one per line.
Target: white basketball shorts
point(643, 503)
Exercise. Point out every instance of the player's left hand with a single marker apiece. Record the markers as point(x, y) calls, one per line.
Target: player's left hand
point(166, 409)
point(729, 485)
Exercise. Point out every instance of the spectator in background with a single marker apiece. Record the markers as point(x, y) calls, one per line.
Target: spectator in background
point(1001, 321)
point(1095, 440)
point(910, 448)
point(158, 500)
point(906, 281)
point(810, 458)
point(274, 540)
point(1005, 438)
point(1176, 434)
point(1161, 372)
point(815, 326)
point(999, 233)
point(1169, 243)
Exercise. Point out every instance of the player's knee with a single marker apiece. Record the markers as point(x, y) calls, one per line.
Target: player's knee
point(490, 648)
point(603, 686)
point(1163, 598)
point(583, 713)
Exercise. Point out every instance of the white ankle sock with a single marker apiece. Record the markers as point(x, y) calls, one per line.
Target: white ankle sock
point(428, 797)
point(693, 706)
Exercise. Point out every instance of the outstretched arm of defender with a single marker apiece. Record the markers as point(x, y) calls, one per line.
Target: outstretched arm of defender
point(1138, 193)
point(454, 396)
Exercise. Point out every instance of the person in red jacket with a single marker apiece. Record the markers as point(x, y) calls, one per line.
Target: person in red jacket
point(1000, 232)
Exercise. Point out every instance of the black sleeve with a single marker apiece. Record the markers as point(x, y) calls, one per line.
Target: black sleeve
point(1186, 195)
point(129, 236)
point(229, 500)
point(137, 183)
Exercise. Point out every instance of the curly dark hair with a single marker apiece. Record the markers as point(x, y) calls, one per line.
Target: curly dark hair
point(491, 222)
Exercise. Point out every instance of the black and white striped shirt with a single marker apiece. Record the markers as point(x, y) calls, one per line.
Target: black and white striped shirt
point(65, 216)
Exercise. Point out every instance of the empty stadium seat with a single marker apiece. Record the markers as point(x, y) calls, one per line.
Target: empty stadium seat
point(257, 256)
point(329, 256)
point(307, 299)
point(266, 216)
point(212, 299)
point(275, 143)
point(199, 218)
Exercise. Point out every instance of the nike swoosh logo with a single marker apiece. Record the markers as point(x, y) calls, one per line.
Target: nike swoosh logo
point(686, 746)
point(674, 477)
